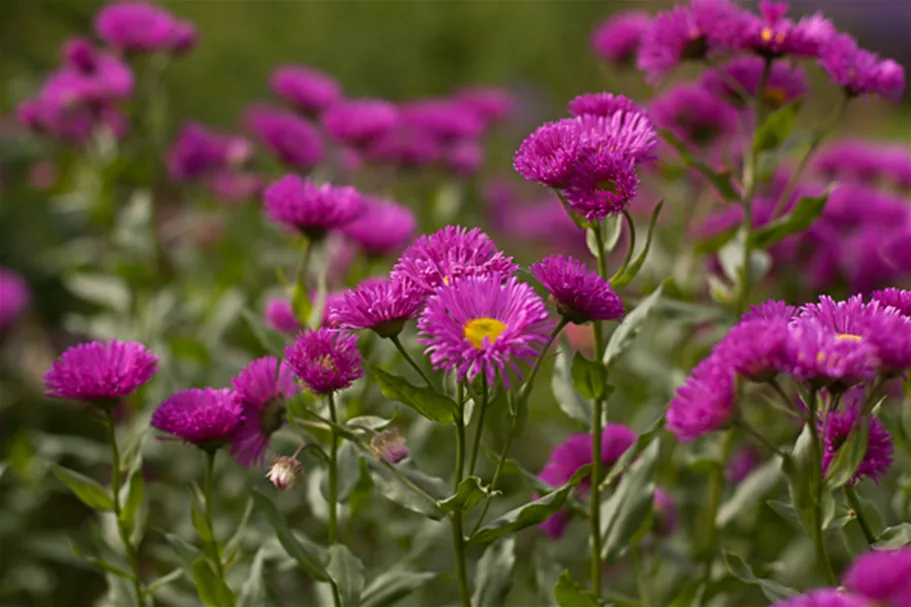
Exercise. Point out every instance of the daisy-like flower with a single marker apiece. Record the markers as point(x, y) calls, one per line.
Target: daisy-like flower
point(785, 83)
point(837, 428)
point(14, 297)
point(482, 325)
point(602, 104)
point(289, 137)
point(136, 26)
point(382, 306)
point(382, 227)
point(326, 360)
point(626, 133)
point(549, 155)
point(618, 38)
point(572, 454)
point(825, 358)
point(897, 298)
point(693, 114)
point(205, 417)
point(453, 252)
point(100, 372)
point(306, 89)
point(490, 104)
point(883, 576)
point(771, 35)
point(757, 349)
point(358, 122)
point(704, 403)
point(859, 71)
point(311, 208)
point(602, 184)
point(824, 598)
point(279, 315)
point(261, 388)
point(444, 119)
point(579, 294)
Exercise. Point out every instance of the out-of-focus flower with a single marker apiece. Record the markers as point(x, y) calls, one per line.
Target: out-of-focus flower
point(897, 298)
point(285, 472)
point(741, 464)
point(883, 576)
point(100, 372)
point(694, 115)
point(835, 430)
point(289, 137)
point(704, 403)
point(490, 104)
point(864, 161)
point(389, 445)
point(14, 297)
point(359, 122)
point(306, 89)
point(465, 157)
point(444, 119)
point(326, 360)
point(382, 306)
point(579, 294)
point(311, 208)
point(770, 34)
point(617, 39)
point(824, 598)
point(859, 71)
point(785, 82)
point(139, 27)
point(757, 349)
point(234, 187)
point(665, 508)
point(204, 417)
point(279, 315)
point(382, 227)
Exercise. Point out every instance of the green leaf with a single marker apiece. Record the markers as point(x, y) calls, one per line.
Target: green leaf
point(623, 462)
point(88, 490)
point(749, 492)
point(849, 455)
point(568, 398)
point(392, 586)
point(627, 331)
point(569, 594)
point(91, 554)
point(895, 537)
point(164, 580)
point(633, 269)
point(806, 211)
point(186, 553)
point(348, 465)
point(398, 490)
point(425, 400)
point(589, 377)
point(271, 342)
point(101, 289)
point(212, 590)
point(469, 493)
point(776, 128)
point(301, 303)
point(493, 579)
point(253, 593)
point(613, 228)
point(630, 506)
point(198, 518)
point(347, 573)
point(773, 591)
point(786, 511)
point(370, 422)
point(798, 470)
point(135, 490)
point(721, 181)
point(306, 558)
point(530, 514)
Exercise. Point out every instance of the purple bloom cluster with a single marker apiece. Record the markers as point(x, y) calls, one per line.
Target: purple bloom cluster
point(140, 27)
point(305, 89)
point(617, 40)
point(859, 71)
point(770, 34)
point(704, 403)
point(882, 576)
point(293, 140)
point(311, 208)
point(865, 162)
point(382, 306)
point(326, 360)
point(694, 115)
point(360, 122)
point(382, 227)
point(100, 372)
point(579, 294)
point(14, 297)
point(785, 82)
point(835, 430)
point(279, 315)
point(200, 151)
point(205, 417)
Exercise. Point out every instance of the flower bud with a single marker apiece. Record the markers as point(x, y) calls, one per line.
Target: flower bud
point(389, 445)
point(284, 472)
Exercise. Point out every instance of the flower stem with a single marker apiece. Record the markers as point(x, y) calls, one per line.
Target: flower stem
point(207, 495)
point(398, 344)
point(639, 565)
point(594, 498)
point(861, 519)
point(458, 539)
point(476, 448)
point(333, 473)
point(816, 480)
point(715, 488)
point(122, 531)
point(761, 438)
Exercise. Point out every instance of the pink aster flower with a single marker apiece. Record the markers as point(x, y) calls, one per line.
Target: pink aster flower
point(625, 133)
point(481, 325)
point(279, 315)
point(757, 349)
point(824, 598)
point(835, 431)
point(382, 227)
point(199, 150)
point(882, 576)
point(205, 417)
point(785, 83)
point(406, 147)
point(602, 104)
point(262, 388)
point(135, 26)
point(444, 119)
point(704, 403)
point(311, 208)
point(694, 115)
point(439, 258)
point(490, 104)
point(14, 297)
point(358, 122)
point(234, 187)
point(383, 306)
point(306, 89)
point(465, 157)
point(184, 38)
point(825, 358)
point(602, 184)
point(579, 294)
point(550, 154)
point(864, 161)
point(859, 71)
point(770, 34)
point(100, 371)
point(289, 137)
point(326, 360)
point(617, 39)
point(896, 298)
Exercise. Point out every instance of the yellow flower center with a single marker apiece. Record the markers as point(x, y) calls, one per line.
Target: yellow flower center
point(765, 34)
point(479, 328)
point(848, 336)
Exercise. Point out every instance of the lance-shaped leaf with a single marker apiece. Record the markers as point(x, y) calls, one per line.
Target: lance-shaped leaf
point(775, 129)
point(721, 181)
point(212, 590)
point(469, 493)
point(627, 331)
point(630, 272)
point(392, 586)
point(347, 573)
point(590, 377)
point(494, 574)
point(808, 209)
point(409, 487)
point(307, 558)
point(749, 492)
point(569, 594)
point(773, 590)
point(630, 506)
point(568, 397)
point(425, 400)
point(88, 490)
point(893, 538)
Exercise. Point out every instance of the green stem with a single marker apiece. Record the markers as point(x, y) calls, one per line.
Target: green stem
point(861, 519)
point(632, 245)
point(716, 485)
point(333, 473)
point(761, 438)
point(207, 495)
point(122, 531)
point(476, 448)
point(458, 539)
point(414, 365)
point(816, 480)
point(639, 565)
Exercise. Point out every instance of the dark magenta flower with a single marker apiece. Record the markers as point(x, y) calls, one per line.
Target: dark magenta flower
point(825, 358)
point(859, 71)
point(835, 431)
point(602, 184)
point(785, 83)
point(617, 39)
point(406, 147)
point(481, 325)
point(444, 119)
point(823, 598)
point(100, 371)
point(465, 157)
point(80, 53)
point(326, 360)
point(897, 298)
point(704, 403)
point(490, 104)
point(306, 89)
point(579, 294)
point(757, 349)
point(770, 34)
point(279, 315)
point(135, 26)
point(205, 417)
point(289, 137)
point(550, 154)
point(358, 122)
point(864, 161)
point(629, 134)
point(311, 208)
point(384, 306)
point(453, 252)
point(382, 227)
point(184, 38)
point(14, 297)
point(199, 151)
point(883, 576)
point(234, 187)
point(694, 115)
point(602, 104)
point(262, 388)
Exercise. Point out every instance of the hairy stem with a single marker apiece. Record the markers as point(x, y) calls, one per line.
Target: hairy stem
point(207, 495)
point(594, 498)
point(816, 480)
point(861, 519)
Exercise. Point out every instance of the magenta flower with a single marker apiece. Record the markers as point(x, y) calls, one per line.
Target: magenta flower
point(897, 298)
point(234, 187)
point(444, 119)
point(480, 325)
point(824, 358)
point(382, 306)
point(757, 349)
point(704, 403)
point(465, 157)
point(279, 315)
point(453, 252)
point(326, 360)
point(602, 104)
point(859, 71)
point(205, 417)
point(14, 297)
point(835, 431)
point(289, 137)
point(490, 104)
point(882, 576)
point(80, 53)
point(550, 154)
point(406, 147)
point(184, 37)
point(382, 227)
point(199, 151)
point(136, 27)
point(310, 208)
point(389, 445)
point(785, 83)
point(100, 371)
point(579, 294)
point(307, 90)
point(771, 35)
point(262, 388)
point(617, 39)
point(694, 115)
point(358, 122)
point(823, 598)
point(864, 161)
point(601, 185)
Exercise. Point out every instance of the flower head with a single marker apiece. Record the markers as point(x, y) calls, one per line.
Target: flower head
point(481, 325)
point(490, 104)
point(199, 151)
point(579, 294)
point(617, 40)
point(205, 417)
point(859, 71)
point(704, 403)
point(626, 133)
point(389, 445)
point(453, 252)
point(770, 310)
point(785, 82)
point(405, 146)
point(883, 576)
point(383, 306)
point(100, 371)
point(183, 37)
point(382, 227)
point(771, 35)
point(444, 119)
point(896, 298)
point(326, 360)
point(465, 157)
point(310, 207)
point(826, 358)
point(288, 136)
point(602, 104)
point(549, 154)
point(136, 27)
point(284, 472)
point(261, 388)
point(14, 297)
point(823, 598)
point(306, 89)
point(694, 115)
point(757, 349)
point(279, 315)
point(602, 184)
point(864, 161)
point(835, 431)
point(358, 122)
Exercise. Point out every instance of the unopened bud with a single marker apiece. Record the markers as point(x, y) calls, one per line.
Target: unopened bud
point(284, 472)
point(389, 445)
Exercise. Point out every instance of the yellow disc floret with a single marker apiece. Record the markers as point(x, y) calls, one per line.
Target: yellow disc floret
point(479, 328)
